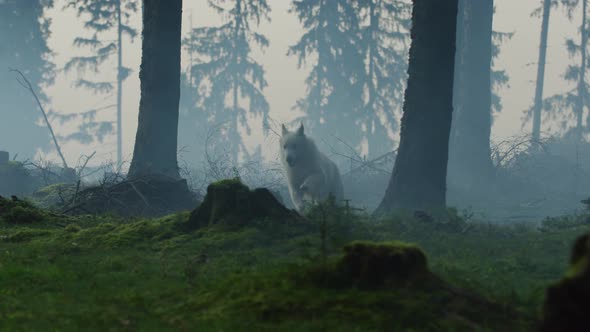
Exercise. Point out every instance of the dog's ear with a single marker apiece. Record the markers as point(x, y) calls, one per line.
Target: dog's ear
point(301, 131)
point(285, 131)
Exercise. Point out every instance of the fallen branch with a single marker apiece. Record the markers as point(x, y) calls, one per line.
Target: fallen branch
point(27, 85)
point(372, 164)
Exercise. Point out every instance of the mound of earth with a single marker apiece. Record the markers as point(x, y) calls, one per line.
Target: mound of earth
point(230, 202)
point(18, 212)
point(374, 265)
point(393, 279)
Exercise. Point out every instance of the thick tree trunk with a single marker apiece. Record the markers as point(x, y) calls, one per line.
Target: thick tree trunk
point(157, 132)
point(470, 163)
point(538, 106)
point(419, 174)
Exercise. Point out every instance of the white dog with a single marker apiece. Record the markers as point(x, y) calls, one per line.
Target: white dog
point(310, 174)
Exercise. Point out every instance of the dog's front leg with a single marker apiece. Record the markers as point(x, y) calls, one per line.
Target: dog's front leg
point(297, 199)
point(313, 186)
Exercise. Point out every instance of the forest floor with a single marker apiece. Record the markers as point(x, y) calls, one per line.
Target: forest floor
point(99, 273)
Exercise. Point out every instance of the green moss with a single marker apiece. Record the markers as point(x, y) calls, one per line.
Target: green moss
point(104, 273)
point(229, 183)
point(373, 264)
point(52, 196)
point(19, 212)
point(231, 203)
point(576, 269)
point(109, 235)
point(72, 228)
point(24, 234)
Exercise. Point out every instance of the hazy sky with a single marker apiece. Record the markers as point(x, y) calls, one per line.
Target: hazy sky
point(286, 82)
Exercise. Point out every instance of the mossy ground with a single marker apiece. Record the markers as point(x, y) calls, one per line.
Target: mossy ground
point(105, 273)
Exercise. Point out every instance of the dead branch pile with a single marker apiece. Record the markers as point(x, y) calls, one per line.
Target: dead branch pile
point(146, 196)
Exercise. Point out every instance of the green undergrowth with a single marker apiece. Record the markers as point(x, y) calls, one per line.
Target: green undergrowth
point(105, 273)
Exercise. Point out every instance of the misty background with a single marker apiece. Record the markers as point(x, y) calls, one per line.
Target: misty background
point(285, 82)
point(84, 119)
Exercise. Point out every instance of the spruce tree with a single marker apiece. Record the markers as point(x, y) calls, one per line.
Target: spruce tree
point(103, 18)
point(332, 46)
point(228, 83)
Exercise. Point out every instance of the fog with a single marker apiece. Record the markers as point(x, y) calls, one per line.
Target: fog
point(286, 82)
point(286, 85)
point(306, 165)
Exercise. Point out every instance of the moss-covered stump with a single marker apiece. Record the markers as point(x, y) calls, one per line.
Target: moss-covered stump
point(567, 303)
point(377, 264)
point(369, 265)
point(230, 202)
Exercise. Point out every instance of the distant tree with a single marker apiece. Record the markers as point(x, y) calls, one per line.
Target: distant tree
point(470, 162)
point(499, 77)
point(568, 106)
point(156, 144)
point(476, 96)
point(385, 38)
point(192, 118)
point(419, 175)
point(225, 75)
point(103, 17)
point(23, 46)
point(332, 44)
point(545, 12)
point(192, 122)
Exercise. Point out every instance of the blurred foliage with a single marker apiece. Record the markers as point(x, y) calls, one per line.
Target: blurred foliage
point(23, 38)
point(225, 84)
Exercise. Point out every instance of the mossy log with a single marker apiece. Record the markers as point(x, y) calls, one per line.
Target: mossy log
point(231, 202)
point(567, 303)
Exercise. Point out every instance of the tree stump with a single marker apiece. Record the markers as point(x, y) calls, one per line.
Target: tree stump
point(377, 264)
point(230, 202)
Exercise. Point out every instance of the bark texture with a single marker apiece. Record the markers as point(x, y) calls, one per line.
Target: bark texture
point(419, 174)
point(157, 132)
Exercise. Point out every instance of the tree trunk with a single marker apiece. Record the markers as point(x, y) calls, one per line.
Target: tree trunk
point(119, 85)
point(419, 174)
point(157, 132)
point(372, 91)
point(582, 78)
point(538, 106)
point(470, 163)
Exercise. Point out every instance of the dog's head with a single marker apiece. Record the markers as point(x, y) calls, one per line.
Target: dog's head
point(293, 145)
